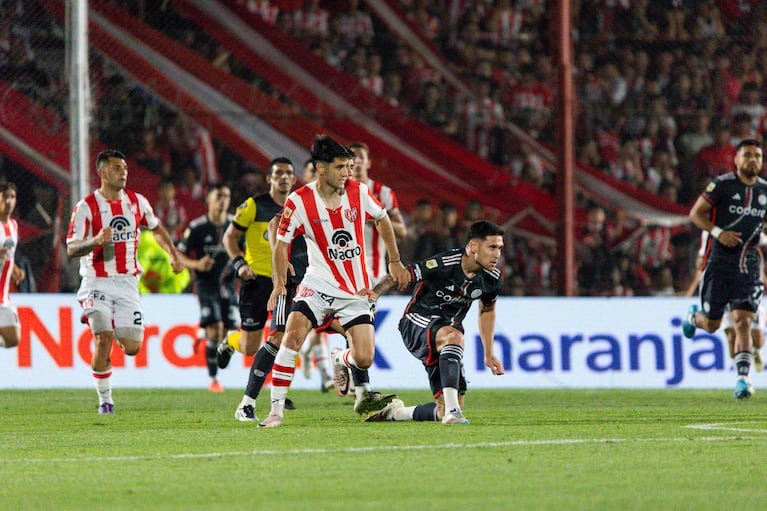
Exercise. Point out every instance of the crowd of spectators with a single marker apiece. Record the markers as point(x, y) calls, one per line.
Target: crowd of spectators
point(664, 91)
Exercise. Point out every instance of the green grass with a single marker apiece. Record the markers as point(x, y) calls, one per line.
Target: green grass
point(524, 449)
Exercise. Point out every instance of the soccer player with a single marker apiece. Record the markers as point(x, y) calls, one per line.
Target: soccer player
point(330, 213)
point(10, 328)
point(432, 326)
point(732, 208)
point(202, 250)
point(254, 268)
point(104, 234)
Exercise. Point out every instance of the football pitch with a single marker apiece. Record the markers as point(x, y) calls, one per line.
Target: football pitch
point(524, 449)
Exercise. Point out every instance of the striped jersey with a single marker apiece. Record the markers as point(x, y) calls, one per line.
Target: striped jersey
point(376, 256)
point(738, 207)
point(125, 216)
point(9, 238)
point(334, 238)
point(443, 290)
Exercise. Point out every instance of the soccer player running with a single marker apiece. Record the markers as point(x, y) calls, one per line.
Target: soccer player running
point(104, 234)
point(376, 266)
point(732, 208)
point(254, 268)
point(330, 213)
point(202, 250)
point(10, 328)
point(432, 326)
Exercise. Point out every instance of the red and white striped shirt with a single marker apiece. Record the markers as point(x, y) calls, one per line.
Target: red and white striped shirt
point(125, 216)
point(334, 238)
point(9, 238)
point(376, 256)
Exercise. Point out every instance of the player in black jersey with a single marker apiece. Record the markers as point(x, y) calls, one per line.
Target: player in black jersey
point(203, 252)
point(432, 326)
point(732, 208)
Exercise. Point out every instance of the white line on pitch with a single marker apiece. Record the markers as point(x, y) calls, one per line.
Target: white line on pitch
point(266, 452)
point(725, 426)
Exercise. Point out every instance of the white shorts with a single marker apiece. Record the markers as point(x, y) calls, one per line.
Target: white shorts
point(760, 318)
point(115, 297)
point(347, 309)
point(9, 316)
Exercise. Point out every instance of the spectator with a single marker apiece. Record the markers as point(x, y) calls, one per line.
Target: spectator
point(171, 212)
point(153, 156)
point(713, 159)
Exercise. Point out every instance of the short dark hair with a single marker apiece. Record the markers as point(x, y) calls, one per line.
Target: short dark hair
point(359, 145)
point(215, 186)
point(104, 156)
point(279, 159)
point(748, 141)
point(481, 229)
point(7, 185)
point(325, 149)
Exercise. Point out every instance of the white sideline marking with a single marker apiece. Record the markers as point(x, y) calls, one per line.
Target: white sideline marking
point(725, 426)
point(564, 441)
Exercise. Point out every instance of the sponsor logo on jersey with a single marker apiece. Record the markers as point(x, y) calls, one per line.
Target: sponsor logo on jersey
point(736, 196)
point(746, 211)
point(431, 264)
point(710, 186)
point(121, 229)
point(305, 292)
point(286, 212)
point(342, 247)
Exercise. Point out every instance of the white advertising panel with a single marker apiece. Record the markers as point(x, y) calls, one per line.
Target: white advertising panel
point(543, 343)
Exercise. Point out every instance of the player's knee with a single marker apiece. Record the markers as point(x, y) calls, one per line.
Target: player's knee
point(711, 325)
point(454, 337)
point(99, 322)
point(130, 339)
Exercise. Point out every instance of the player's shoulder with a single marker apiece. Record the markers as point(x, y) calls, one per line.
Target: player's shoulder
point(761, 182)
point(493, 275)
point(197, 222)
point(447, 259)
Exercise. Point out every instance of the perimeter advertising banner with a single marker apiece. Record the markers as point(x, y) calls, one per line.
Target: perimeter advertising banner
point(543, 343)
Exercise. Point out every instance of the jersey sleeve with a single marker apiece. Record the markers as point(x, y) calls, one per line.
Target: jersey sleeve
point(148, 218)
point(79, 223)
point(372, 206)
point(713, 192)
point(290, 221)
point(245, 214)
point(428, 269)
point(185, 244)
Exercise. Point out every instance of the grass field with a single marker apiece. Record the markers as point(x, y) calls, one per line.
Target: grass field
point(524, 449)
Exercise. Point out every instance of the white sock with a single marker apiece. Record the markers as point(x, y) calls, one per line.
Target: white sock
point(451, 398)
point(282, 375)
point(404, 414)
point(247, 400)
point(103, 382)
point(361, 391)
point(345, 358)
point(320, 353)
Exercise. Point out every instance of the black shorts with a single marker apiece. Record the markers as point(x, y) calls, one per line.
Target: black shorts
point(282, 310)
point(254, 297)
point(743, 291)
point(215, 308)
point(421, 342)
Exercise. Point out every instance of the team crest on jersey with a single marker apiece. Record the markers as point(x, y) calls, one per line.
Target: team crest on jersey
point(351, 214)
point(762, 200)
point(8, 243)
point(711, 186)
point(431, 264)
point(133, 208)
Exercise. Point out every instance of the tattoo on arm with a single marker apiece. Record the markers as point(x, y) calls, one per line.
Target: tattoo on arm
point(386, 285)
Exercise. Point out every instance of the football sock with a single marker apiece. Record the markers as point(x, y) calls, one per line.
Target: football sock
point(103, 382)
point(743, 362)
point(211, 347)
point(426, 412)
point(361, 390)
point(262, 364)
point(247, 400)
point(360, 377)
point(282, 375)
point(345, 359)
point(320, 353)
point(450, 359)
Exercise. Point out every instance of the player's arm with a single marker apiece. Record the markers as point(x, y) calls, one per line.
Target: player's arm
point(274, 223)
point(279, 272)
point(18, 274)
point(396, 268)
point(700, 216)
point(79, 248)
point(487, 334)
point(397, 223)
point(166, 243)
point(231, 242)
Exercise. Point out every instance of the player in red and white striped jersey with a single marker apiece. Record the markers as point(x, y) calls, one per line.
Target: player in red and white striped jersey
point(330, 213)
point(104, 234)
point(10, 328)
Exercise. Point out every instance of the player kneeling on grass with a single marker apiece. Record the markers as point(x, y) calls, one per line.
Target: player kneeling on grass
point(445, 287)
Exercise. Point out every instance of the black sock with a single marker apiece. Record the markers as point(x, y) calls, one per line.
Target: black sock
point(210, 357)
point(450, 360)
point(425, 413)
point(262, 364)
point(360, 376)
point(743, 362)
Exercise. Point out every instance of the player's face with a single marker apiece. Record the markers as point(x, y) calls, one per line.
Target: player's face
point(7, 202)
point(114, 173)
point(487, 252)
point(282, 178)
point(336, 173)
point(361, 164)
point(309, 173)
point(219, 200)
point(748, 161)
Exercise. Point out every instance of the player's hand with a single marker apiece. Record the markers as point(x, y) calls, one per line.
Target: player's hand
point(291, 270)
point(205, 263)
point(730, 239)
point(368, 293)
point(104, 236)
point(277, 291)
point(246, 273)
point(399, 274)
point(175, 263)
point(17, 275)
point(495, 365)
